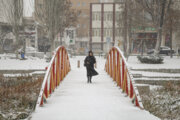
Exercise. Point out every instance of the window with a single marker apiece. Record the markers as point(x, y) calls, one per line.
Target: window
point(100, 16)
point(83, 4)
point(118, 31)
point(118, 16)
point(108, 16)
point(107, 32)
point(105, 16)
point(96, 16)
point(78, 4)
point(78, 25)
point(96, 32)
point(93, 16)
point(93, 32)
point(104, 32)
point(110, 32)
point(99, 32)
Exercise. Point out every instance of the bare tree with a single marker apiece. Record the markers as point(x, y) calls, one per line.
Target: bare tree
point(172, 22)
point(157, 9)
point(13, 14)
point(54, 16)
point(4, 30)
point(125, 22)
point(71, 18)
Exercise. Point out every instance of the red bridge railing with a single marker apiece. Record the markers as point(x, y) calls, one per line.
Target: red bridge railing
point(57, 70)
point(117, 67)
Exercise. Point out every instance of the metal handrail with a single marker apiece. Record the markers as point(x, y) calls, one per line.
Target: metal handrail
point(117, 67)
point(58, 68)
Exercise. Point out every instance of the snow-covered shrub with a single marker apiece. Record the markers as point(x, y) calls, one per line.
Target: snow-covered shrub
point(164, 102)
point(152, 59)
point(18, 96)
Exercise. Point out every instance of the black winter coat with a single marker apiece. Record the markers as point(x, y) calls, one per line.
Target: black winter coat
point(89, 64)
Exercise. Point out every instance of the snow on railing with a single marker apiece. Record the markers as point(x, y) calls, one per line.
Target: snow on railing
point(57, 70)
point(117, 67)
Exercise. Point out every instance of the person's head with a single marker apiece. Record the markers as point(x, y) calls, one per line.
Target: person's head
point(90, 53)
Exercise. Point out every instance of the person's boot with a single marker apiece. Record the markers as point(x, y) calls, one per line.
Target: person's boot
point(90, 79)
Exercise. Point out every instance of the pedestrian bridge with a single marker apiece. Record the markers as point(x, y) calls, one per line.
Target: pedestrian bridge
point(66, 95)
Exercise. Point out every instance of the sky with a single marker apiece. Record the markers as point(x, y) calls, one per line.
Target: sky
point(28, 7)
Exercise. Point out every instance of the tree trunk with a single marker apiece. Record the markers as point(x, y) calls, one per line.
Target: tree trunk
point(129, 37)
point(61, 36)
point(51, 38)
point(16, 44)
point(1, 49)
point(171, 42)
point(125, 31)
point(158, 43)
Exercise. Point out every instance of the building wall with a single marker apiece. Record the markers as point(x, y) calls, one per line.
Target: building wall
point(105, 29)
point(83, 19)
point(82, 27)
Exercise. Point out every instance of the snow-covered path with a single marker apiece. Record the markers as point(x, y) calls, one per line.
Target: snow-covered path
point(75, 99)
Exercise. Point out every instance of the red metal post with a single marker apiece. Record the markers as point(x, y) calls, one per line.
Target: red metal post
point(57, 69)
point(117, 73)
point(54, 76)
point(137, 103)
point(108, 71)
point(60, 65)
point(127, 91)
point(62, 62)
point(122, 72)
point(51, 77)
point(111, 64)
point(131, 89)
point(46, 90)
point(114, 65)
point(41, 101)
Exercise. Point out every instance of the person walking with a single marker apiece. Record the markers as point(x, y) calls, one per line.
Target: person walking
point(89, 62)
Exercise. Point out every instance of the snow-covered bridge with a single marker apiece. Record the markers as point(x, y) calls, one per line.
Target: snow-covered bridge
point(74, 99)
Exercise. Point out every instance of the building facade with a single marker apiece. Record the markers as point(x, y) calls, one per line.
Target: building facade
point(104, 28)
point(82, 27)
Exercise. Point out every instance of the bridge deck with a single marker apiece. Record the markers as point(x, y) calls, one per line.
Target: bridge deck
point(74, 99)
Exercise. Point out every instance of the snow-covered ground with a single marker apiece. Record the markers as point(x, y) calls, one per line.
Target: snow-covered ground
point(8, 62)
point(152, 74)
point(75, 99)
point(25, 74)
point(169, 63)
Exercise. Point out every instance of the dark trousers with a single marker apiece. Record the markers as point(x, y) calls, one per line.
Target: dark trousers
point(89, 79)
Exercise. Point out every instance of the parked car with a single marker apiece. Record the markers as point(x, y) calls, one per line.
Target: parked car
point(163, 50)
